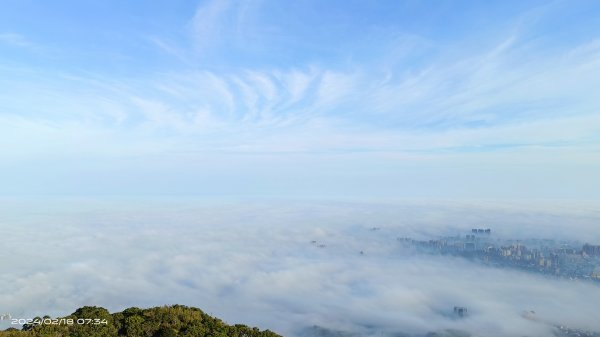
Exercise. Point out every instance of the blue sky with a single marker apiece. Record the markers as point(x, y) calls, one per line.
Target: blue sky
point(390, 99)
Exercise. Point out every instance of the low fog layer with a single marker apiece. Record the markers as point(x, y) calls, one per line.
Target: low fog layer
point(254, 263)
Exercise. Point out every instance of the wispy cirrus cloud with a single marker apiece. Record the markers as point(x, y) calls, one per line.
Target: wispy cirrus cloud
point(473, 111)
point(510, 98)
point(15, 40)
point(209, 24)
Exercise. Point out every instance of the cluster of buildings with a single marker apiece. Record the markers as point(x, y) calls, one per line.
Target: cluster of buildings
point(460, 311)
point(563, 259)
point(564, 331)
point(592, 250)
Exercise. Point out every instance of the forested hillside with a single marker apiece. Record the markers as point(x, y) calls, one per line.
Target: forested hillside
point(165, 321)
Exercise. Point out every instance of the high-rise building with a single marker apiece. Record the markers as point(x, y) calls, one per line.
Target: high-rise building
point(460, 311)
point(591, 249)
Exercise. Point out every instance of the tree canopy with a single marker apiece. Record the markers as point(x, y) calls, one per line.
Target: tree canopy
point(166, 321)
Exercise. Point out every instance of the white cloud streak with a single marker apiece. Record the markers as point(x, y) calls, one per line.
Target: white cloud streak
point(208, 22)
point(16, 40)
point(479, 96)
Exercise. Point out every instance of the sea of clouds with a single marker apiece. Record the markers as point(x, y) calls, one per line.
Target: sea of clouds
point(254, 262)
